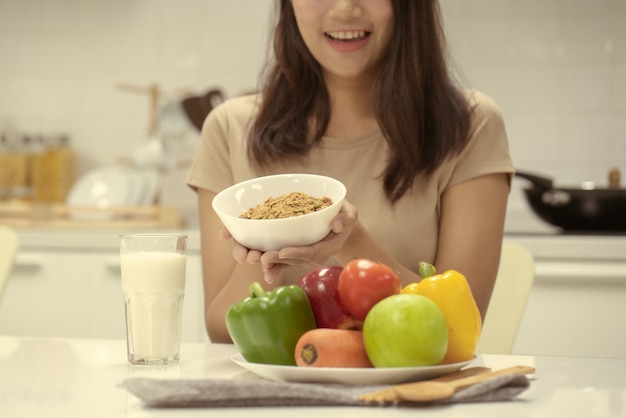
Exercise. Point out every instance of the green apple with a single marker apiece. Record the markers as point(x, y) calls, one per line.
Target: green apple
point(405, 330)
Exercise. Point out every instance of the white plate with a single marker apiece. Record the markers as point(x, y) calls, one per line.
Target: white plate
point(151, 186)
point(357, 376)
point(136, 187)
point(103, 188)
point(110, 187)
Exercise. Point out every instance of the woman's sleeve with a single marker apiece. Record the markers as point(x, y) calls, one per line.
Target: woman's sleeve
point(210, 168)
point(487, 151)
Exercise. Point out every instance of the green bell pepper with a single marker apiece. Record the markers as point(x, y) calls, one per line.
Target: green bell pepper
point(266, 326)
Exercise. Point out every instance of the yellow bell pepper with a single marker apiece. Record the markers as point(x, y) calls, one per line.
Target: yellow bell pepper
point(451, 292)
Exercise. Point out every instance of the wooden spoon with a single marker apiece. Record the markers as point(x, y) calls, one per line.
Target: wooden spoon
point(390, 395)
point(428, 391)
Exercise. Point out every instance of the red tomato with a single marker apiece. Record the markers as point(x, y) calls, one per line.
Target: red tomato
point(363, 283)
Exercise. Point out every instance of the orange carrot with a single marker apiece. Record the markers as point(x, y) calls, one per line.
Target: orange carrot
point(329, 347)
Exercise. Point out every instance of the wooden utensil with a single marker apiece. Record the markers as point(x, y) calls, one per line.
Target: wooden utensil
point(390, 395)
point(436, 389)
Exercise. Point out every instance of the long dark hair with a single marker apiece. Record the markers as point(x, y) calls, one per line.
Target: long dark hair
point(424, 117)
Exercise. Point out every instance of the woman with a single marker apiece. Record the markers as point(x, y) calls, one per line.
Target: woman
point(359, 90)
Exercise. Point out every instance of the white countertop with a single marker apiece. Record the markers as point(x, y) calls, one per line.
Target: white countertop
point(542, 243)
point(521, 226)
point(79, 378)
point(52, 238)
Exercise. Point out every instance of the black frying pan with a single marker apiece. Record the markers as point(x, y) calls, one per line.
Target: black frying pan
point(577, 209)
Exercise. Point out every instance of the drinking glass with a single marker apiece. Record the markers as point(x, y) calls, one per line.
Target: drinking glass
point(153, 283)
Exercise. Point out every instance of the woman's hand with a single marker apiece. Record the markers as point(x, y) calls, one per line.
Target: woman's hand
point(274, 263)
point(241, 254)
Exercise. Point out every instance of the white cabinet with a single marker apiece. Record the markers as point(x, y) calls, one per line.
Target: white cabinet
point(577, 314)
point(46, 294)
point(71, 290)
point(577, 305)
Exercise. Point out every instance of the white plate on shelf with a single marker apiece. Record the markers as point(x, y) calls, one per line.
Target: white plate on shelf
point(151, 181)
point(102, 188)
point(105, 188)
point(136, 186)
point(357, 376)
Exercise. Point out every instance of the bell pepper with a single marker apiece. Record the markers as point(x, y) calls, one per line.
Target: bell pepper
point(266, 326)
point(451, 292)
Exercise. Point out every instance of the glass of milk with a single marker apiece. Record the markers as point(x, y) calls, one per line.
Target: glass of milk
point(153, 283)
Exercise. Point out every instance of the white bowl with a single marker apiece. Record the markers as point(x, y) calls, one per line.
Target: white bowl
point(274, 234)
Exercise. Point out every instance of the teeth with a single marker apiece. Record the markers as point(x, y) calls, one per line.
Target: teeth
point(349, 35)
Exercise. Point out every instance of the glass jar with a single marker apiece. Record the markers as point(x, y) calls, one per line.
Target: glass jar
point(14, 168)
point(53, 169)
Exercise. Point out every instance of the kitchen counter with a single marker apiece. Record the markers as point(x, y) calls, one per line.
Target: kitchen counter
point(57, 377)
point(74, 277)
point(563, 246)
point(578, 295)
point(575, 302)
point(32, 238)
point(520, 226)
point(543, 244)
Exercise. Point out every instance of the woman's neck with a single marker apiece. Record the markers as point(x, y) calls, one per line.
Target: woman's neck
point(352, 113)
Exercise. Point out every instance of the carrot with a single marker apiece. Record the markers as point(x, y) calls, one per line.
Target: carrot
point(329, 347)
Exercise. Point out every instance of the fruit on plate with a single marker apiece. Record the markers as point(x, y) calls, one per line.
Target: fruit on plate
point(266, 326)
point(328, 347)
point(320, 285)
point(451, 292)
point(363, 283)
point(405, 330)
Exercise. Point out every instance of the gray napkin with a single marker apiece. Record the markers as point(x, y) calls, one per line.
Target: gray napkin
point(224, 393)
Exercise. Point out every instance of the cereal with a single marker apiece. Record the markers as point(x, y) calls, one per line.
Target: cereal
point(287, 206)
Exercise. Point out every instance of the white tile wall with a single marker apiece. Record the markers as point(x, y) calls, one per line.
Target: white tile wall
point(558, 70)
point(556, 67)
point(61, 62)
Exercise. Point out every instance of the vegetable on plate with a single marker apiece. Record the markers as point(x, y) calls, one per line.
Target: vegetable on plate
point(451, 292)
point(363, 283)
point(266, 326)
point(329, 347)
point(320, 285)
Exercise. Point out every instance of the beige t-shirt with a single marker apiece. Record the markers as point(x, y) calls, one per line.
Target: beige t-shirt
point(409, 230)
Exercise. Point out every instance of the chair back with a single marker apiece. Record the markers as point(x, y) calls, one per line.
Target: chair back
point(508, 300)
point(8, 250)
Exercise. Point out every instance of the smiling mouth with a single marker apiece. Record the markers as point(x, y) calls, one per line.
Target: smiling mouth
point(347, 36)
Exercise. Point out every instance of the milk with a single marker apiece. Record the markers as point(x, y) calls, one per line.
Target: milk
point(153, 284)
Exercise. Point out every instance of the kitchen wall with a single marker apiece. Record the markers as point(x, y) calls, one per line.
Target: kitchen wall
point(556, 67)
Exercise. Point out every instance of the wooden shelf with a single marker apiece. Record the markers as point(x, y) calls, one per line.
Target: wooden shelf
point(59, 216)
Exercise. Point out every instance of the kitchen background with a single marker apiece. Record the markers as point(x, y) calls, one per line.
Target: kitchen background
point(83, 68)
point(556, 67)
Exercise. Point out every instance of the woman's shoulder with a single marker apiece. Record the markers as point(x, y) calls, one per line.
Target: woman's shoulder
point(244, 102)
point(235, 109)
point(487, 148)
point(486, 115)
point(481, 104)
